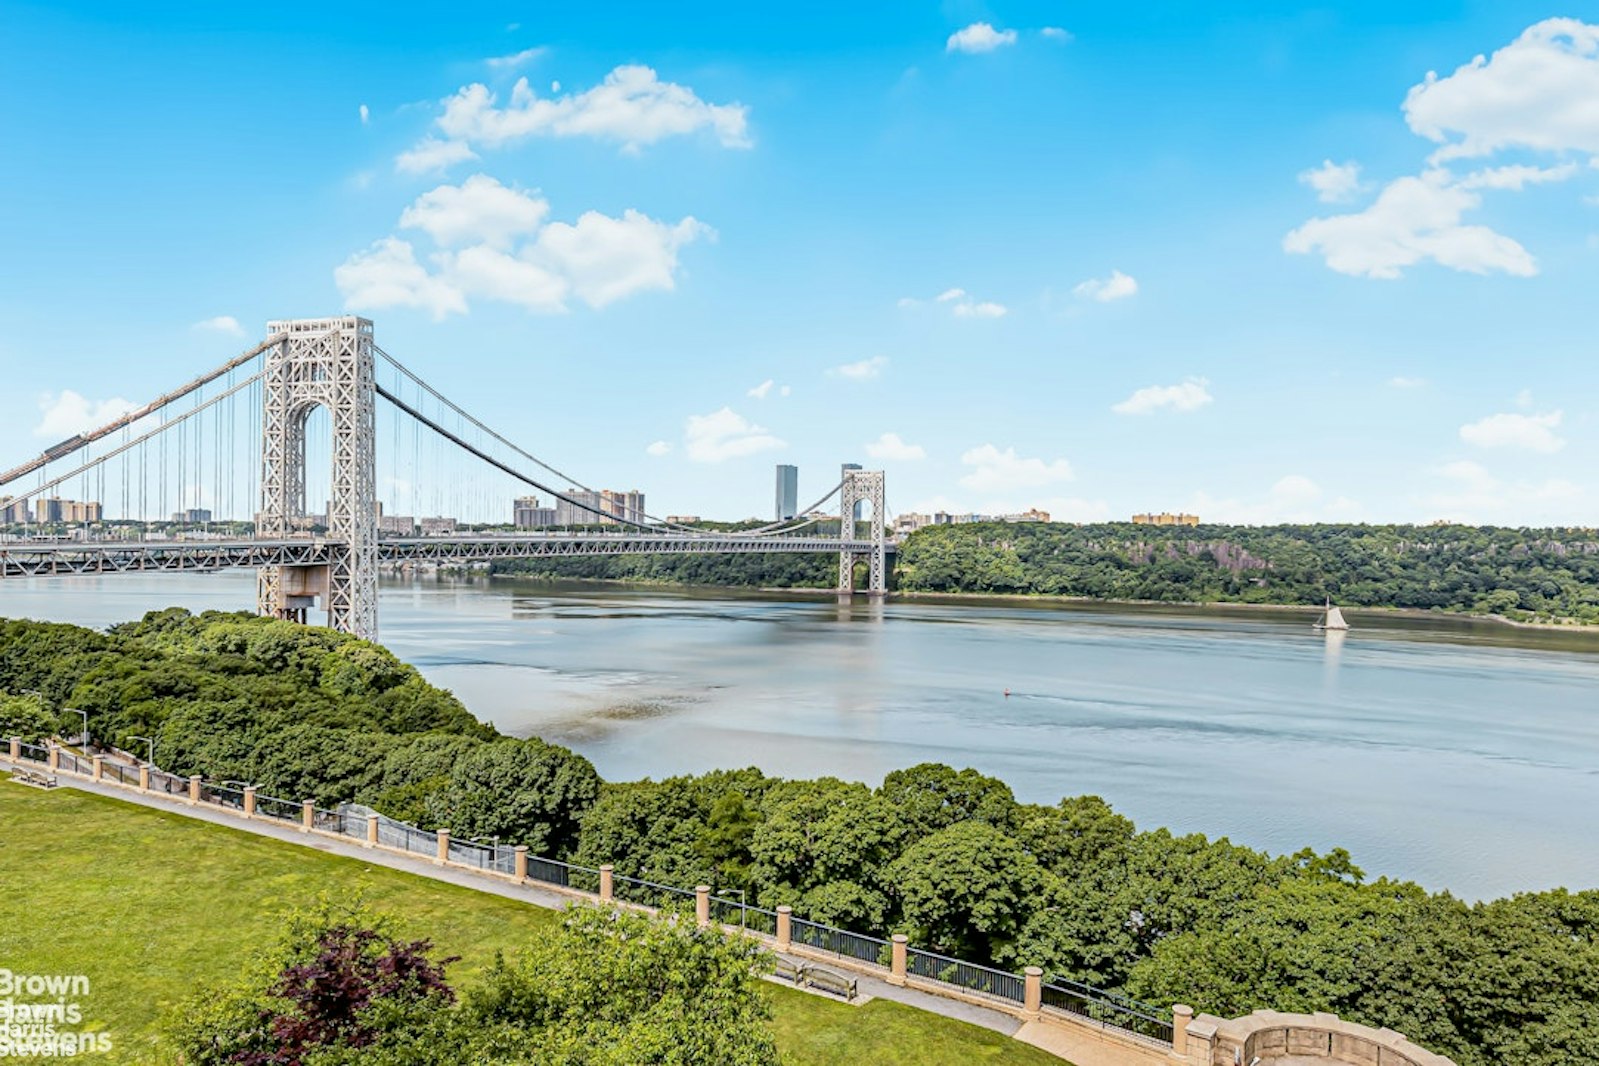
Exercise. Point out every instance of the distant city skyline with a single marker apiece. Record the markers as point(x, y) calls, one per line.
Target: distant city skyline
point(1304, 264)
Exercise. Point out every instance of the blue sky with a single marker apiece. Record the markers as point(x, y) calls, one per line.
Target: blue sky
point(1244, 260)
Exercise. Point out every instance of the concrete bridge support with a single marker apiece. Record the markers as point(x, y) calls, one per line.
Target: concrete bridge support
point(863, 486)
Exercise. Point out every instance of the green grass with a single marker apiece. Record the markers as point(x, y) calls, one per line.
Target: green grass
point(152, 906)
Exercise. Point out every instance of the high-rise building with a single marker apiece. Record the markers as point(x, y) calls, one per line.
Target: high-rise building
point(842, 472)
point(70, 512)
point(527, 514)
point(603, 508)
point(787, 492)
point(193, 516)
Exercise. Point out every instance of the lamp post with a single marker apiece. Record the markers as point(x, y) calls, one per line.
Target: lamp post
point(148, 741)
point(83, 741)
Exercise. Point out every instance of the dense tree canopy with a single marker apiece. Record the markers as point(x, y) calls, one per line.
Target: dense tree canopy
point(947, 856)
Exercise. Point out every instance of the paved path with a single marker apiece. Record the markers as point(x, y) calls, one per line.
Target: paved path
point(997, 1020)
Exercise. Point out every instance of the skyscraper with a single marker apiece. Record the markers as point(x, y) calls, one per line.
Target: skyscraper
point(787, 491)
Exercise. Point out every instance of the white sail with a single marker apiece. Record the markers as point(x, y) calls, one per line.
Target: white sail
point(1334, 619)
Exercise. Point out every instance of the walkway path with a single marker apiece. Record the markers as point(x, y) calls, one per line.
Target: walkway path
point(999, 1021)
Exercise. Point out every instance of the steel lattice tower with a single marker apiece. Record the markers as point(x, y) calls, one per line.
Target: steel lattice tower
point(862, 486)
point(323, 362)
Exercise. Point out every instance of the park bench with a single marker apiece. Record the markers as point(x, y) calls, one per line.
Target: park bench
point(789, 971)
point(828, 981)
point(34, 778)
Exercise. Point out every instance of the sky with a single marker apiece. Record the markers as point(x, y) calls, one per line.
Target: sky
point(1256, 262)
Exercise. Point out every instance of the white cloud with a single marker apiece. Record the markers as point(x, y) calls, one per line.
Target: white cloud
point(67, 414)
point(479, 210)
point(1413, 219)
point(1535, 433)
point(432, 154)
point(979, 37)
point(866, 368)
point(760, 391)
point(1470, 493)
point(723, 435)
point(986, 309)
point(515, 59)
point(950, 294)
point(1539, 92)
point(1334, 182)
point(659, 448)
point(495, 243)
point(1403, 382)
point(1516, 177)
point(1056, 33)
point(1191, 395)
point(220, 324)
point(892, 448)
point(1118, 286)
point(632, 106)
point(366, 115)
point(998, 471)
point(388, 275)
point(1292, 498)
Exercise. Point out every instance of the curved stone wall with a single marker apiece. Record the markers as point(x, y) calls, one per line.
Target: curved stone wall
point(1269, 1036)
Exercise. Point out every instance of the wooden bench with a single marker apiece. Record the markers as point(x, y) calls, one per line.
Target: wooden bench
point(34, 778)
point(828, 981)
point(792, 972)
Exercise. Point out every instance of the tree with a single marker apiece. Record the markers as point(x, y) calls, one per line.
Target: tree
point(523, 791)
point(967, 889)
point(932, 796)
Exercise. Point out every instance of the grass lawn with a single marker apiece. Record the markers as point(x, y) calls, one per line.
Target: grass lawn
point(151, 906)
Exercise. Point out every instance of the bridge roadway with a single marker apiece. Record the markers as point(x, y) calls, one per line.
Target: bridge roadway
point(44, 558)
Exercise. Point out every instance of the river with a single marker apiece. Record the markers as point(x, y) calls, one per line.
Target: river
point(1463, 755)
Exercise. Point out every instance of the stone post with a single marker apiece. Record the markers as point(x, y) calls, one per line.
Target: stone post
point(607, 885)
point(521, 862)
point(249, 801)
point(307, 815)
point(443, 855)
point(1033, 991)
point(1181, 1015)
point(194, 789)
point(785, 930)
point(55, 756)
point(144, 777)
point(702, 904)
point(371, 830)
point(896, 975)
point(16, 748)
point(99, 767)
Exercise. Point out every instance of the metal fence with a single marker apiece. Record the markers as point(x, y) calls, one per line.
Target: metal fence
point(171, 784)
point(564, 874)
point(649, 893)
point(222, 796)
point(967, 975)
point(74, 764)
point(34, 752)
point(728, 911)
point(1108, 1009)
point(281, 809)
point(115, 771)
point(840, 942)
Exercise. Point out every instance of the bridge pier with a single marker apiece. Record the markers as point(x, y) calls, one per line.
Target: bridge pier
point(863, 486)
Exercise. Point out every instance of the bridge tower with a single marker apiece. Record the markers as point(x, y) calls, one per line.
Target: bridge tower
point(862, 486)
point(324, 362)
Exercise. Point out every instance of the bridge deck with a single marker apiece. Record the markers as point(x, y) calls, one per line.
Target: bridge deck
point(40, 558)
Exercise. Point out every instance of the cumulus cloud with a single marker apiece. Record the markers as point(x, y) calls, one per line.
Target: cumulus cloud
point(866, 368)
point(220, 324)
point(1334, 182)
point(961, 304)
point(366, 115)
point(1413, 219)
point(659, 448)
point(632, 107)
point(1055, 33)
point(979, 37)
point(66, 414)
point(761, 391)
point(515, 59)
point(950, 294)
point(431, 154)
point(993, 470)
point(892, 448)
point(723, 435)
point(1468, 492)
point(495, 243)
point(1538, 92)
point(1534, 433)
point(1191, 395)
point(1118, 286)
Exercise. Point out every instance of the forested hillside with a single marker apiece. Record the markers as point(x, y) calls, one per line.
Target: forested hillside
point(949, 857)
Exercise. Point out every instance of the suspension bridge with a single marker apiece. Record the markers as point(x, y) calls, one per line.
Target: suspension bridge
point(308, 406)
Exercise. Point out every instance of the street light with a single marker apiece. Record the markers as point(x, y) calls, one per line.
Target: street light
point(148, 741)
point(83, 741)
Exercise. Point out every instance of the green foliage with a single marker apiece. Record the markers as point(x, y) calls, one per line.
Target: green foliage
point(26, 717)
point(966, 889)
point(1523, 574)
point(522, 791)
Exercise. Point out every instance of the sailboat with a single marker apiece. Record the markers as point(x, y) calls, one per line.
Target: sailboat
point(1333, 618)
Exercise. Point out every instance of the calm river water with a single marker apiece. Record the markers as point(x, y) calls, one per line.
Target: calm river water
point(1461, 755)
